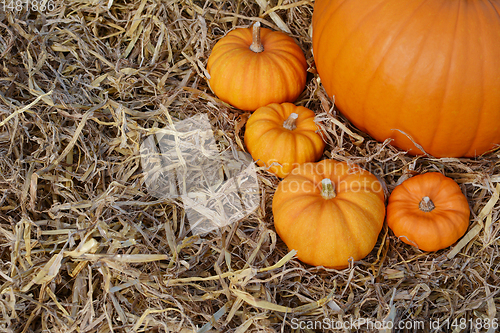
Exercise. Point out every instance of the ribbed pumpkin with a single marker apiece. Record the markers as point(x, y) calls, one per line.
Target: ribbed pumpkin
point(285, 134)
point(253, 67)
point(430, 69)
point(428, 211)
point(329, 212)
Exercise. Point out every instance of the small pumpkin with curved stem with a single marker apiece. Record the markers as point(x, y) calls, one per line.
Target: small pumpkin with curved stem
point(428, 211)
point(329, 212)
point(283, 134)
point(253, 67)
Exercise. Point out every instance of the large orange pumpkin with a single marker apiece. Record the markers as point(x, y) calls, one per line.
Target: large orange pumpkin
point(282, 136)
point(253, 67)
point(329, 212)
point(429, 70)
point(428, 211)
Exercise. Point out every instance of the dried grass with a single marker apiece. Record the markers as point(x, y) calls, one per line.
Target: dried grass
point(85, 248)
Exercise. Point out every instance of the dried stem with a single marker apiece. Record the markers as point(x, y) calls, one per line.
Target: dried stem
point(426, 205)
point(327, 189)
point(256, 46)
point(290, 122)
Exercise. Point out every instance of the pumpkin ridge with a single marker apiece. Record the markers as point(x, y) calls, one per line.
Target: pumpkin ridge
point(348, 178)
point(318, 147)
point(292, 203)
point(449, 190)
point(335, 171)
point(439, 230)
point(262, 140)
point(304, 145)
point(259, 143)
point(310, 143)
point(301, 177)
point(236, 36)
point(448, 79)
point(323, 30)
point(280, 112)
point(268, 120)
point(265, 115)
point(335, 243)
point(347, 226)
point(284, 135)
point(409, 78)
point(300, 219)
point(355, 28)
point(404, 217)
point(439, 207)
point(383, 58)
point(266, 150)
point(233, 80)
point(283, 77)
point(298, 222)
point(258, 64)
point(290, 51)
point(340, 223)
point(313, 246)
point(305, 113)
point(307, 125)
point(413, 193)
point(288, 136)
point(276, 38)
point(450, 220)
point(298, 151)
point(472, 143)
point(299, 61)
point(460, 230)
point(215, 61)
point(321, 142)
point(450, 210)
point(263, 127)
point(360, 178)
point(367, 214)
point(497, 10)
point(241, 36)
point(231, 46)
point(285, 110)
point(279, 41)
point(295, 197)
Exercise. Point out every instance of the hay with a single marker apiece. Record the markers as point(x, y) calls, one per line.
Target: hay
point(84, 247)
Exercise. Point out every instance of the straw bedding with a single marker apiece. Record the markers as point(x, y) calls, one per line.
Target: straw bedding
point(85, 248)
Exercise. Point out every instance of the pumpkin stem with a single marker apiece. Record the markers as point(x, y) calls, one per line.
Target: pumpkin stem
point(327, 189)
point(256, 46)
point(289, 123)
point(426, 205)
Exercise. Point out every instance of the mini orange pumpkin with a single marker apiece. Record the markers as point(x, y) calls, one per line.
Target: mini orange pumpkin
point(285, 134)
point(253, 67)
point(329, 212)
point(428, 211)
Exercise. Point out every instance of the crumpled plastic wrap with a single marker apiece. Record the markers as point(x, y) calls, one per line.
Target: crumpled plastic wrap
point(183, 161)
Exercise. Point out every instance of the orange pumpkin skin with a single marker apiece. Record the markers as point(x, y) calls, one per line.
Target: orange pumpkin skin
point(249, 80)
point(430, 69)
point(329, 231)
point(268, 141)
point(433, 230)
